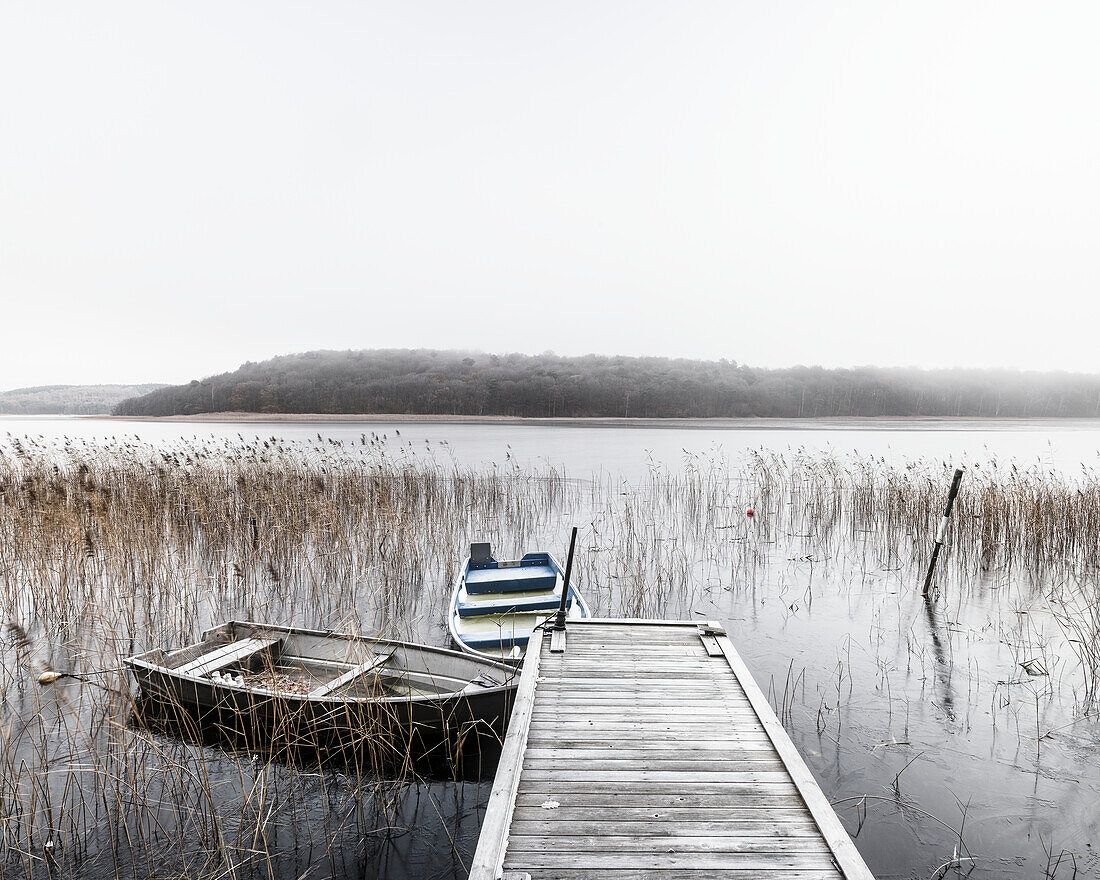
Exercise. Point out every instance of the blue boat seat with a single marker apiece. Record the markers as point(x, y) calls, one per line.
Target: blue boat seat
point(505, 605)
point(511, 580)
point(489, 641)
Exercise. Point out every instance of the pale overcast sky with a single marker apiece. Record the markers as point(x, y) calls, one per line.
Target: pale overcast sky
point(186, 186)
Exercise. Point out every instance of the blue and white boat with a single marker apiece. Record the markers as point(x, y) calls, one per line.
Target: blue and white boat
point(496, 605)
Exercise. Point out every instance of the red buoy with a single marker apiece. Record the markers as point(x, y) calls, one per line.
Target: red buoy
point(750, 512)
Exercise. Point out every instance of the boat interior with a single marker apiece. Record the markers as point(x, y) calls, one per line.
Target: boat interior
point(497, 604)
point(523, 586)
point(303, 664)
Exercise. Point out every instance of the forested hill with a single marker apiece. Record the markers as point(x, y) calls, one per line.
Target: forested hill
point(477, 384)
point(80, 400)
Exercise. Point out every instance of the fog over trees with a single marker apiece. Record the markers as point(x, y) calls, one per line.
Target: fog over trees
point(548, 385)
point(79, 400)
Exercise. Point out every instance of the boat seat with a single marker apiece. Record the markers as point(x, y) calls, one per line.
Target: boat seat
point(511, 580)
point(227, 655)
point(492, 640)
point(506, 605)
point(481, 682)
point(329, 687)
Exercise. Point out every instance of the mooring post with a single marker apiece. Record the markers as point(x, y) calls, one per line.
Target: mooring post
point(559, 620)
point(941, 533)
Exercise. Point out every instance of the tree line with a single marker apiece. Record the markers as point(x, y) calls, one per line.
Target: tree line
point(81, 400)
point(432, 382)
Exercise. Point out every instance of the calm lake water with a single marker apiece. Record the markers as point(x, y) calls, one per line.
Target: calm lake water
point(917, 717)
point(627, 452)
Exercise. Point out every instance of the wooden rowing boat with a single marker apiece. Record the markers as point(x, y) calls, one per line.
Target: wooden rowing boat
point(314, 686)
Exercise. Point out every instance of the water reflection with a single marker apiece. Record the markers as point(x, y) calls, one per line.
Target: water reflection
point(943, 667)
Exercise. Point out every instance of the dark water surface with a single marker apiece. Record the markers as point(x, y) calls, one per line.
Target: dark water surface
point(952, 733)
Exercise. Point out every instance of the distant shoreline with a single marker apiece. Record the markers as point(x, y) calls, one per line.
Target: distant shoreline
point(881, 423)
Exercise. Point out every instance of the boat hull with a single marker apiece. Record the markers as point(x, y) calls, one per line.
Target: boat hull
point(451, 728)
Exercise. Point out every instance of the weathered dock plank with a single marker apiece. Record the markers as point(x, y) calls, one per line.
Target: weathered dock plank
point(645, 751)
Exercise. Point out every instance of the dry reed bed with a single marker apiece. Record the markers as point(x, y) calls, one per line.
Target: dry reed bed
point(107, 550)
point(661, 547)
point(1035, 521)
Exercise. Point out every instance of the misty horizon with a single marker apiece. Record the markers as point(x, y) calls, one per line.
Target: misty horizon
point(144, 380)
point(792, 183)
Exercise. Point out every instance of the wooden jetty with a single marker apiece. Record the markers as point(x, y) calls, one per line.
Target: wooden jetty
point(644, 750)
